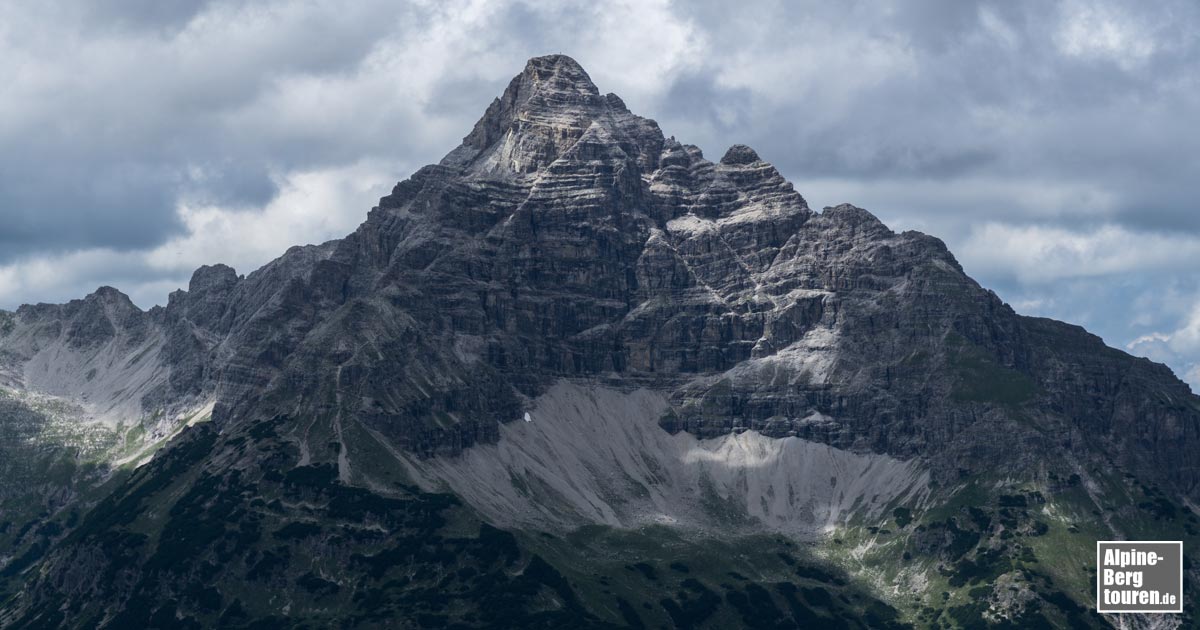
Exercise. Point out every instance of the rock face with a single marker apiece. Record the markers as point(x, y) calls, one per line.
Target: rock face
point(566, 239)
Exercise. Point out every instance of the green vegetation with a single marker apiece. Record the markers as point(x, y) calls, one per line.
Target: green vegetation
point(981, 379)
point(188, 541)
point(46, 462)
point(996, 553)
point(659, 576)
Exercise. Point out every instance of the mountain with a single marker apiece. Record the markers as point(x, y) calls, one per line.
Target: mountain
point(577, 374)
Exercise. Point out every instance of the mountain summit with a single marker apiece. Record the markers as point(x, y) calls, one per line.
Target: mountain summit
point(546, 110)
point(576, 373)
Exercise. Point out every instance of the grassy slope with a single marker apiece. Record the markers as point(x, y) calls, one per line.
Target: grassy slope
point(999, 553)
point(53, 468)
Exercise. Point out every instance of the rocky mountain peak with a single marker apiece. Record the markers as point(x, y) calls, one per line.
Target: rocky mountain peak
point(739, 154)
point(543, 112)
point(109, 295)
point(212, 276)
point(556, 73)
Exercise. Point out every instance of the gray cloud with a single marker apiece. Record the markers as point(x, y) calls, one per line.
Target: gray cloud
point(114, 113)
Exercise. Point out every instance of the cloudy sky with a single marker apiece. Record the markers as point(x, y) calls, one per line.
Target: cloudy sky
point(1055, 146)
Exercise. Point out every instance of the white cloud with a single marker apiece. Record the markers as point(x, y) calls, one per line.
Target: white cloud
point(58, 277)
point(636, 46)
point(999, 29)
point(311, 207)
point(1094, 31)
point(1186, 339)
point(1179, 348)
point(1036, 254)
